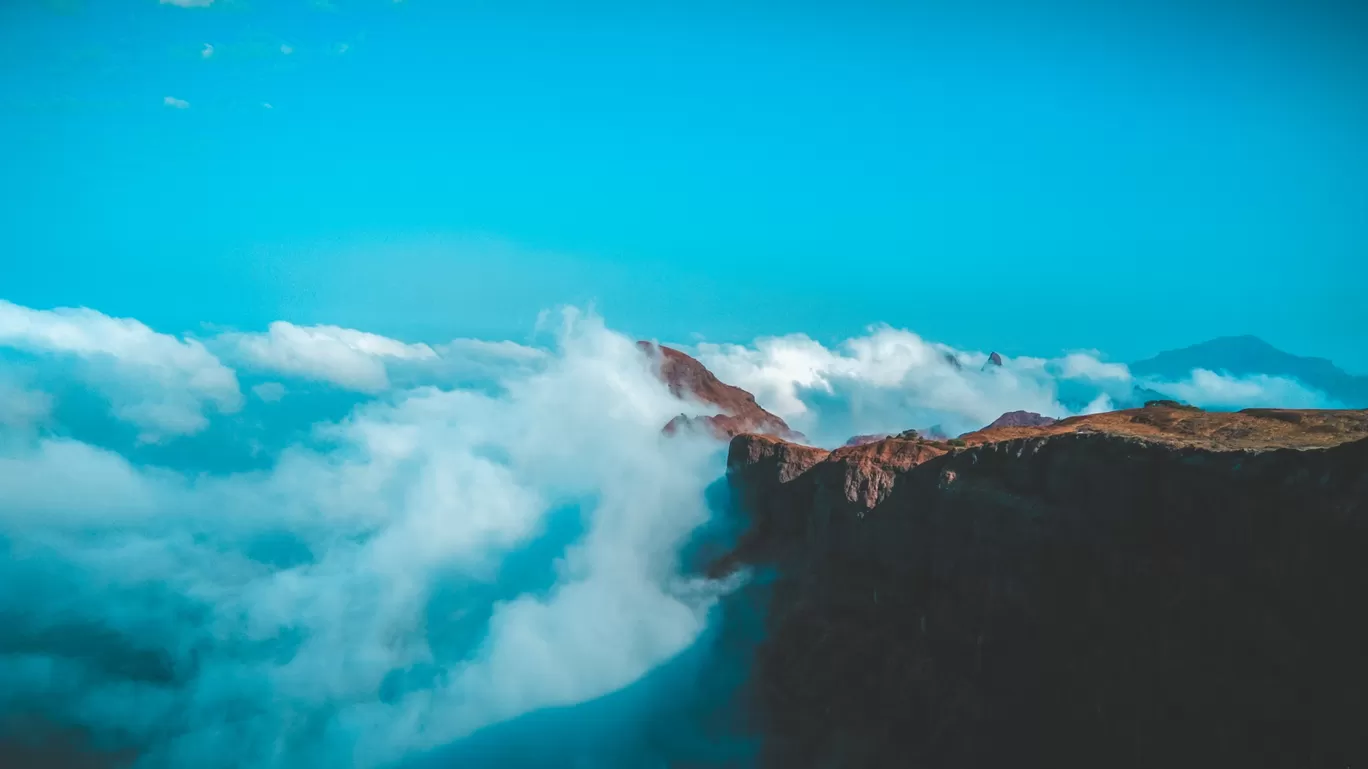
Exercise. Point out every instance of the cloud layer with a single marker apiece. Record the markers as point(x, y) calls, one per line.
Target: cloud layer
point(891, 380)
point(438, 561)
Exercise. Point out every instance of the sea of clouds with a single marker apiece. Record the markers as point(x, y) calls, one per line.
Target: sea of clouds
point(316, 546)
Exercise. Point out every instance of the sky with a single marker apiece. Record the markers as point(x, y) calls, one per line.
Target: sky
point(1030, 178)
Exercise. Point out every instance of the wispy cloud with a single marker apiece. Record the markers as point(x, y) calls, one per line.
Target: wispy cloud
point(342, 48)
point(269, 391)
point(175, 103)
point(286, 49)
point(207, 51)
point(188, 3)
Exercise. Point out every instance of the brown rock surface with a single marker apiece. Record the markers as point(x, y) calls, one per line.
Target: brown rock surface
point(1021, 419)
point(687, 378)
point(1173, 424)
point(1151, 587)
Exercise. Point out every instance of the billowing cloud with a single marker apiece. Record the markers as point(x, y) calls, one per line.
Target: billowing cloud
point(159, 382)
point(891, 380)
point(438, 561)
point(887, 381)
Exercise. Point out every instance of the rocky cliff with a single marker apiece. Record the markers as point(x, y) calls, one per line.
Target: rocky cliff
point(1159, 587)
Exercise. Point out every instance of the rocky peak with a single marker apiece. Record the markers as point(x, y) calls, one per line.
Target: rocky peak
point(994, 361)
point(687, 378)
point(1021, 419)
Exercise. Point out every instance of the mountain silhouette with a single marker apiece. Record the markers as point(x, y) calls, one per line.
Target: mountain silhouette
point(1249, 355)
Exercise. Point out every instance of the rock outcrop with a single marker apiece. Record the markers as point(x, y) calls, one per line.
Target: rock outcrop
point(860, 440)
point(1021, 419)
point(1158, 587)
point(689, 379)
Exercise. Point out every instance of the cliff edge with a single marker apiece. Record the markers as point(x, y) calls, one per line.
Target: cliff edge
point(1156, 587)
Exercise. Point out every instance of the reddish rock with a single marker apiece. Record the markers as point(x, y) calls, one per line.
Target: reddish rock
point(1021, 419)
point(689, 379)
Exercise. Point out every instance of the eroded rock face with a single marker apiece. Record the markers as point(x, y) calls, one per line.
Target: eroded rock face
point(1131, 589)
point(689, 379)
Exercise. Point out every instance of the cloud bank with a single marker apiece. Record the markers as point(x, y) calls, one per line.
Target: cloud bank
point(439, 560)
point(890, 380)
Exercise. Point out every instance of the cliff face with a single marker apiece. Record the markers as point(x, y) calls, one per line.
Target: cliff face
point(1153, 588)
point(687, 378)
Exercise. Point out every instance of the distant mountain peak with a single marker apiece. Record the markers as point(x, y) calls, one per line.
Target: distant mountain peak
point(994, 360)
point(1248, 355)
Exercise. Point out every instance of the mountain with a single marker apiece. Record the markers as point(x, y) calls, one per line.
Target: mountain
point(1021, 419)
point(1159, 586)
point(1249, 355)
point(688, 379)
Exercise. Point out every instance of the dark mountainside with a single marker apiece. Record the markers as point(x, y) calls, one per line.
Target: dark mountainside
point(687, 378)
point(1246, 355)
point(1158, 587)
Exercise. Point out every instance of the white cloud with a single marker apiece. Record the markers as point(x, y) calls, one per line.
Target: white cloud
point(266, 105)
point(345, 357)
point(1209, 389)
point(175, 103)
point(290, 598)
point(158, 382)
point(188, 3)
point(207, 51)
point(1080, 365)
point(286, 49)
point(886, 381)
point(366, 362)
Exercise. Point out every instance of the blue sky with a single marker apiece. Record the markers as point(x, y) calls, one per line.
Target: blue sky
point(994, 177)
